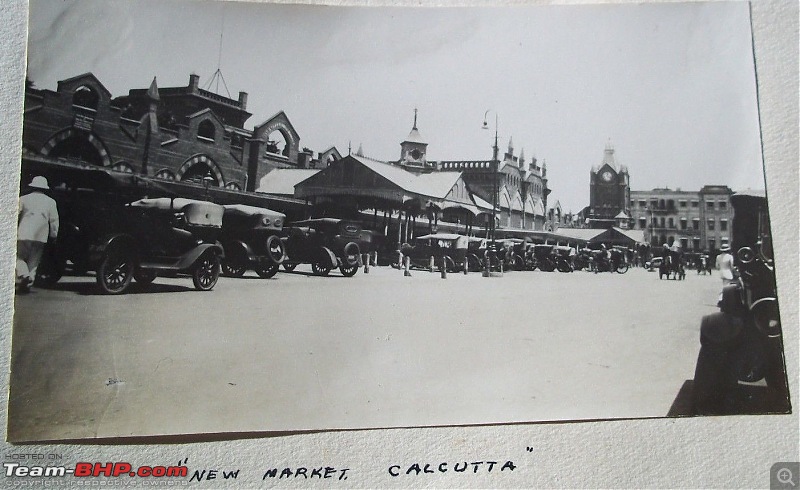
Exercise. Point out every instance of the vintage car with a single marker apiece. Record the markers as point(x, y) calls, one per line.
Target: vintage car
point(740, 367)
point(451, 248)
point(325, 243)
point(251, 240)
point(162, 236)
point(541, 256)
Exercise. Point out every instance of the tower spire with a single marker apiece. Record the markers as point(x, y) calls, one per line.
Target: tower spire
point(415, 118)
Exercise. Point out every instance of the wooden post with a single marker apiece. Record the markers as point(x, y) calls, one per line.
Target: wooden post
point(466, 264)
point(443, 268)
point(406, 267)
point(430, 264)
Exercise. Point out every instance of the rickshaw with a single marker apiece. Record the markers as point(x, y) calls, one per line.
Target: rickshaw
point(325, 243)
point(162, 236)
point(250, 238)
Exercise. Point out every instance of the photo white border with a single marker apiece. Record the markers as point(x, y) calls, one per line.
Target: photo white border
point(734, 451)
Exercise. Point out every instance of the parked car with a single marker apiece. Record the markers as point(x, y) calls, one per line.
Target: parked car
point(251, 240)
point(162, 236)
point(325, 243)
point(450, 247)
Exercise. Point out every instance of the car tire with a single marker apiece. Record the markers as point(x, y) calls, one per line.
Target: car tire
point(233, 269)
point(144, 277)
point(289, 266)
point(276, 251)
point(115, 272)
point(350, 254)
point(320, 269)
point(205, 272)
point(348, 270)
point(267, 271)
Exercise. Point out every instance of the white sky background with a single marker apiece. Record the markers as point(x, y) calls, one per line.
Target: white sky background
point(672, 85)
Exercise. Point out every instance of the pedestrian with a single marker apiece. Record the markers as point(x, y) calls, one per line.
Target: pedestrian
point(37, 223)
point(727, 270)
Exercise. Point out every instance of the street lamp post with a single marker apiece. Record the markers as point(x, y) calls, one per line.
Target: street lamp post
point(495, 165)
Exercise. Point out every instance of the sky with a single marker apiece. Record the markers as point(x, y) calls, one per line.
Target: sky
point(670, 86)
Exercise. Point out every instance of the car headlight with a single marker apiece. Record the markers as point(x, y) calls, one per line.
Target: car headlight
point(277, 223)
point(265, 221)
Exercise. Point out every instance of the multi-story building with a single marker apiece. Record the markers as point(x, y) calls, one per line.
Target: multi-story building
point(173, 133)
point(698, 220)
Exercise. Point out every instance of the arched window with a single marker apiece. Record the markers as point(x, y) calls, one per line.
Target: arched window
point(206, 130)
point(85, 97)
point(122, 167)
point(165, 175)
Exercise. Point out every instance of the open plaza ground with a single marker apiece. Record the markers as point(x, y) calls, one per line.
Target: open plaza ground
point(299, 352)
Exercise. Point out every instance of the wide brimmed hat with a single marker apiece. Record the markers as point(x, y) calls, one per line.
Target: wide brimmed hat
point(725, 248)
point(39, 182)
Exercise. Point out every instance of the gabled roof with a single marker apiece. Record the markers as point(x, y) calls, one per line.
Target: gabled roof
point(281, 181)
point(437, 184)
point(581, 233)
point(622, 215)
point(635, 235)
point(89, 76)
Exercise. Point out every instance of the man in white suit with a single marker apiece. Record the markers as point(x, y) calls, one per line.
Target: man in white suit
point(38, 223)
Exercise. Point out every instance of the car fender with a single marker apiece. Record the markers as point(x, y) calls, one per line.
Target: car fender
point(191, 257)
point(331, 257)
point(234, 247)
point(97, 249)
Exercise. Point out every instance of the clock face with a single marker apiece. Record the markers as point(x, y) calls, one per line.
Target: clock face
point(607, 176)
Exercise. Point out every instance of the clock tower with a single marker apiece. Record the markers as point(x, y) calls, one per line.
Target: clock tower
point(413, 149)
point(609, 191)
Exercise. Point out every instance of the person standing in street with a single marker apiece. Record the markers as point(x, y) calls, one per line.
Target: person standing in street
point(37, 223)
point(725, 265)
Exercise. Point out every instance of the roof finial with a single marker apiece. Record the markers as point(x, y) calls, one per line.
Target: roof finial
point(349, 147)
point(415, 118)
point(152, 92)
point(360, 151)
point(511, 145)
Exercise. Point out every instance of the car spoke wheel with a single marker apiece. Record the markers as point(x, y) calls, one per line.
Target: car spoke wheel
point(622, 268)
point(115, 272)
point(348, 270)
point(206, 271)
point(320, 269)
point(267, 271)
point(232, 268)
point(288, 266)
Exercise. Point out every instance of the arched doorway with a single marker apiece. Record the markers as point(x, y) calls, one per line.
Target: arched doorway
point(78, 146)
point(198, 168)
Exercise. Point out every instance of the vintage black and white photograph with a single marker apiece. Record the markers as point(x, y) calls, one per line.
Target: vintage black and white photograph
point(260, 218)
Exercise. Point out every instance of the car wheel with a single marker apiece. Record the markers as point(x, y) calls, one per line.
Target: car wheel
point(351, 251)
point(115, 271)
point(232, 268)
point(205, 272)
point(623, 268)
point(275, 249)
point(288, 266)
point(267, 271)
point(348, 270)
point(144, 276)
point(320, 269)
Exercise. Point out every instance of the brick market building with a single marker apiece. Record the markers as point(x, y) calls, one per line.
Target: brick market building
point(173, 133)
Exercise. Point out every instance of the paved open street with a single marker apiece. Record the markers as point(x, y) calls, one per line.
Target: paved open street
point(378, 350)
